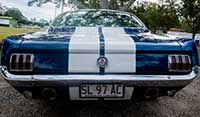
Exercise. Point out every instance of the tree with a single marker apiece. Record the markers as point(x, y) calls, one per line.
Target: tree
point(95, 4)
point(40, 2)
point(123, 5)
point(156, 16)
point(43, 21)
point(59, 3)
point(16, 14)
point(190, 13)
point(3, 9)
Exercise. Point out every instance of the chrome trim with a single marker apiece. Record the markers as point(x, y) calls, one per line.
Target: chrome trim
point(72, 80)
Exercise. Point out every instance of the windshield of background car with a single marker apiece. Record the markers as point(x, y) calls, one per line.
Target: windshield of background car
point(97, 18)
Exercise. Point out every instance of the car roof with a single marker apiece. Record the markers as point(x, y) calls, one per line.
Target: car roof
point(109, 10)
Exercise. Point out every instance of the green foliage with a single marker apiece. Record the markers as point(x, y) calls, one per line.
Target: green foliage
point(82, 4)
point(21, 19)
point(156, 16)
point(105, 4)
point(15, 13)
point(13, 23)
point(40, 2)
point(190, 13)
point(38, 23)
point(167, 14)
point(92, 4)
point(185, 26)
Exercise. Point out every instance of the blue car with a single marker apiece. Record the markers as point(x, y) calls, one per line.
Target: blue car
point(98, 55)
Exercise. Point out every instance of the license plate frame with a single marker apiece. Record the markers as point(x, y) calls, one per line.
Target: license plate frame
point(104, 95)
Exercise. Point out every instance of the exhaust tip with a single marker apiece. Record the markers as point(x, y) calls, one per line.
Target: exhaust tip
point(171, 93)
point(151, 93)
point(49, 93)
point(27, 94)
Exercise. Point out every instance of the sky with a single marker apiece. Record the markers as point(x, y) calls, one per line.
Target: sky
point(46, 11)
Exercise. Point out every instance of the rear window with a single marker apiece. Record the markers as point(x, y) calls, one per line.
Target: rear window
point(95, 18)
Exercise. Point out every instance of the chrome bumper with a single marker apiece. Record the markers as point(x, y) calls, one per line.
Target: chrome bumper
point(74, 80)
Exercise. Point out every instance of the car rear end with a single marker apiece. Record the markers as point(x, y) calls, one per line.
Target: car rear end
point(98, 63)
point(82, 69)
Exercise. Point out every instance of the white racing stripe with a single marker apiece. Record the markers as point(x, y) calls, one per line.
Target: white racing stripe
point(120, 50)
point(84, 50)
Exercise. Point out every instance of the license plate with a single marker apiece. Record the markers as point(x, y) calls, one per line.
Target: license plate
point(101, 90)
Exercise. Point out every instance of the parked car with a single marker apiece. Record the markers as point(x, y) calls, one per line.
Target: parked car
point(98, 55)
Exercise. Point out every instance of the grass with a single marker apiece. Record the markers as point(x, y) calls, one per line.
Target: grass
point(7, 31)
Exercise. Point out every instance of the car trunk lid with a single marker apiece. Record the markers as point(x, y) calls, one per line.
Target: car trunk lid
point(78, 50)
point(88, 44)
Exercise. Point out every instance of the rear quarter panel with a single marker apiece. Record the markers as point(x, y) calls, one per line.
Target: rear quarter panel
point(188, 45)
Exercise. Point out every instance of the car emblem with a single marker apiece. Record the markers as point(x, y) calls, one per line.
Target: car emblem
point(102, 62)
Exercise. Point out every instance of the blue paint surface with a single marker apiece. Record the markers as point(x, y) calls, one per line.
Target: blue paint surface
point(190, 46)
point(51, 51)
point(152, 64)
point(150, 44)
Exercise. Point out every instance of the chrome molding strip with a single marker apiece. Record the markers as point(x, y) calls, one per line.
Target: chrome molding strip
point(135, 80)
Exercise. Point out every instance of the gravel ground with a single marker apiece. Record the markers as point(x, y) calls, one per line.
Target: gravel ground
point(185, 103)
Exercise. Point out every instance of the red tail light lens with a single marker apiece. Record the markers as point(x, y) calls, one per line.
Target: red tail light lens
point(13, 62)
point(21, 62)
point(28, 61)
point(179, 63)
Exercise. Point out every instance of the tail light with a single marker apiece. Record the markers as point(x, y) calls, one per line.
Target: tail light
point(21, 62)
point(179, 63)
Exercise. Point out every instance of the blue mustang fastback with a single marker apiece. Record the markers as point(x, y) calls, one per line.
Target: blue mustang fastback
point(98, 55)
